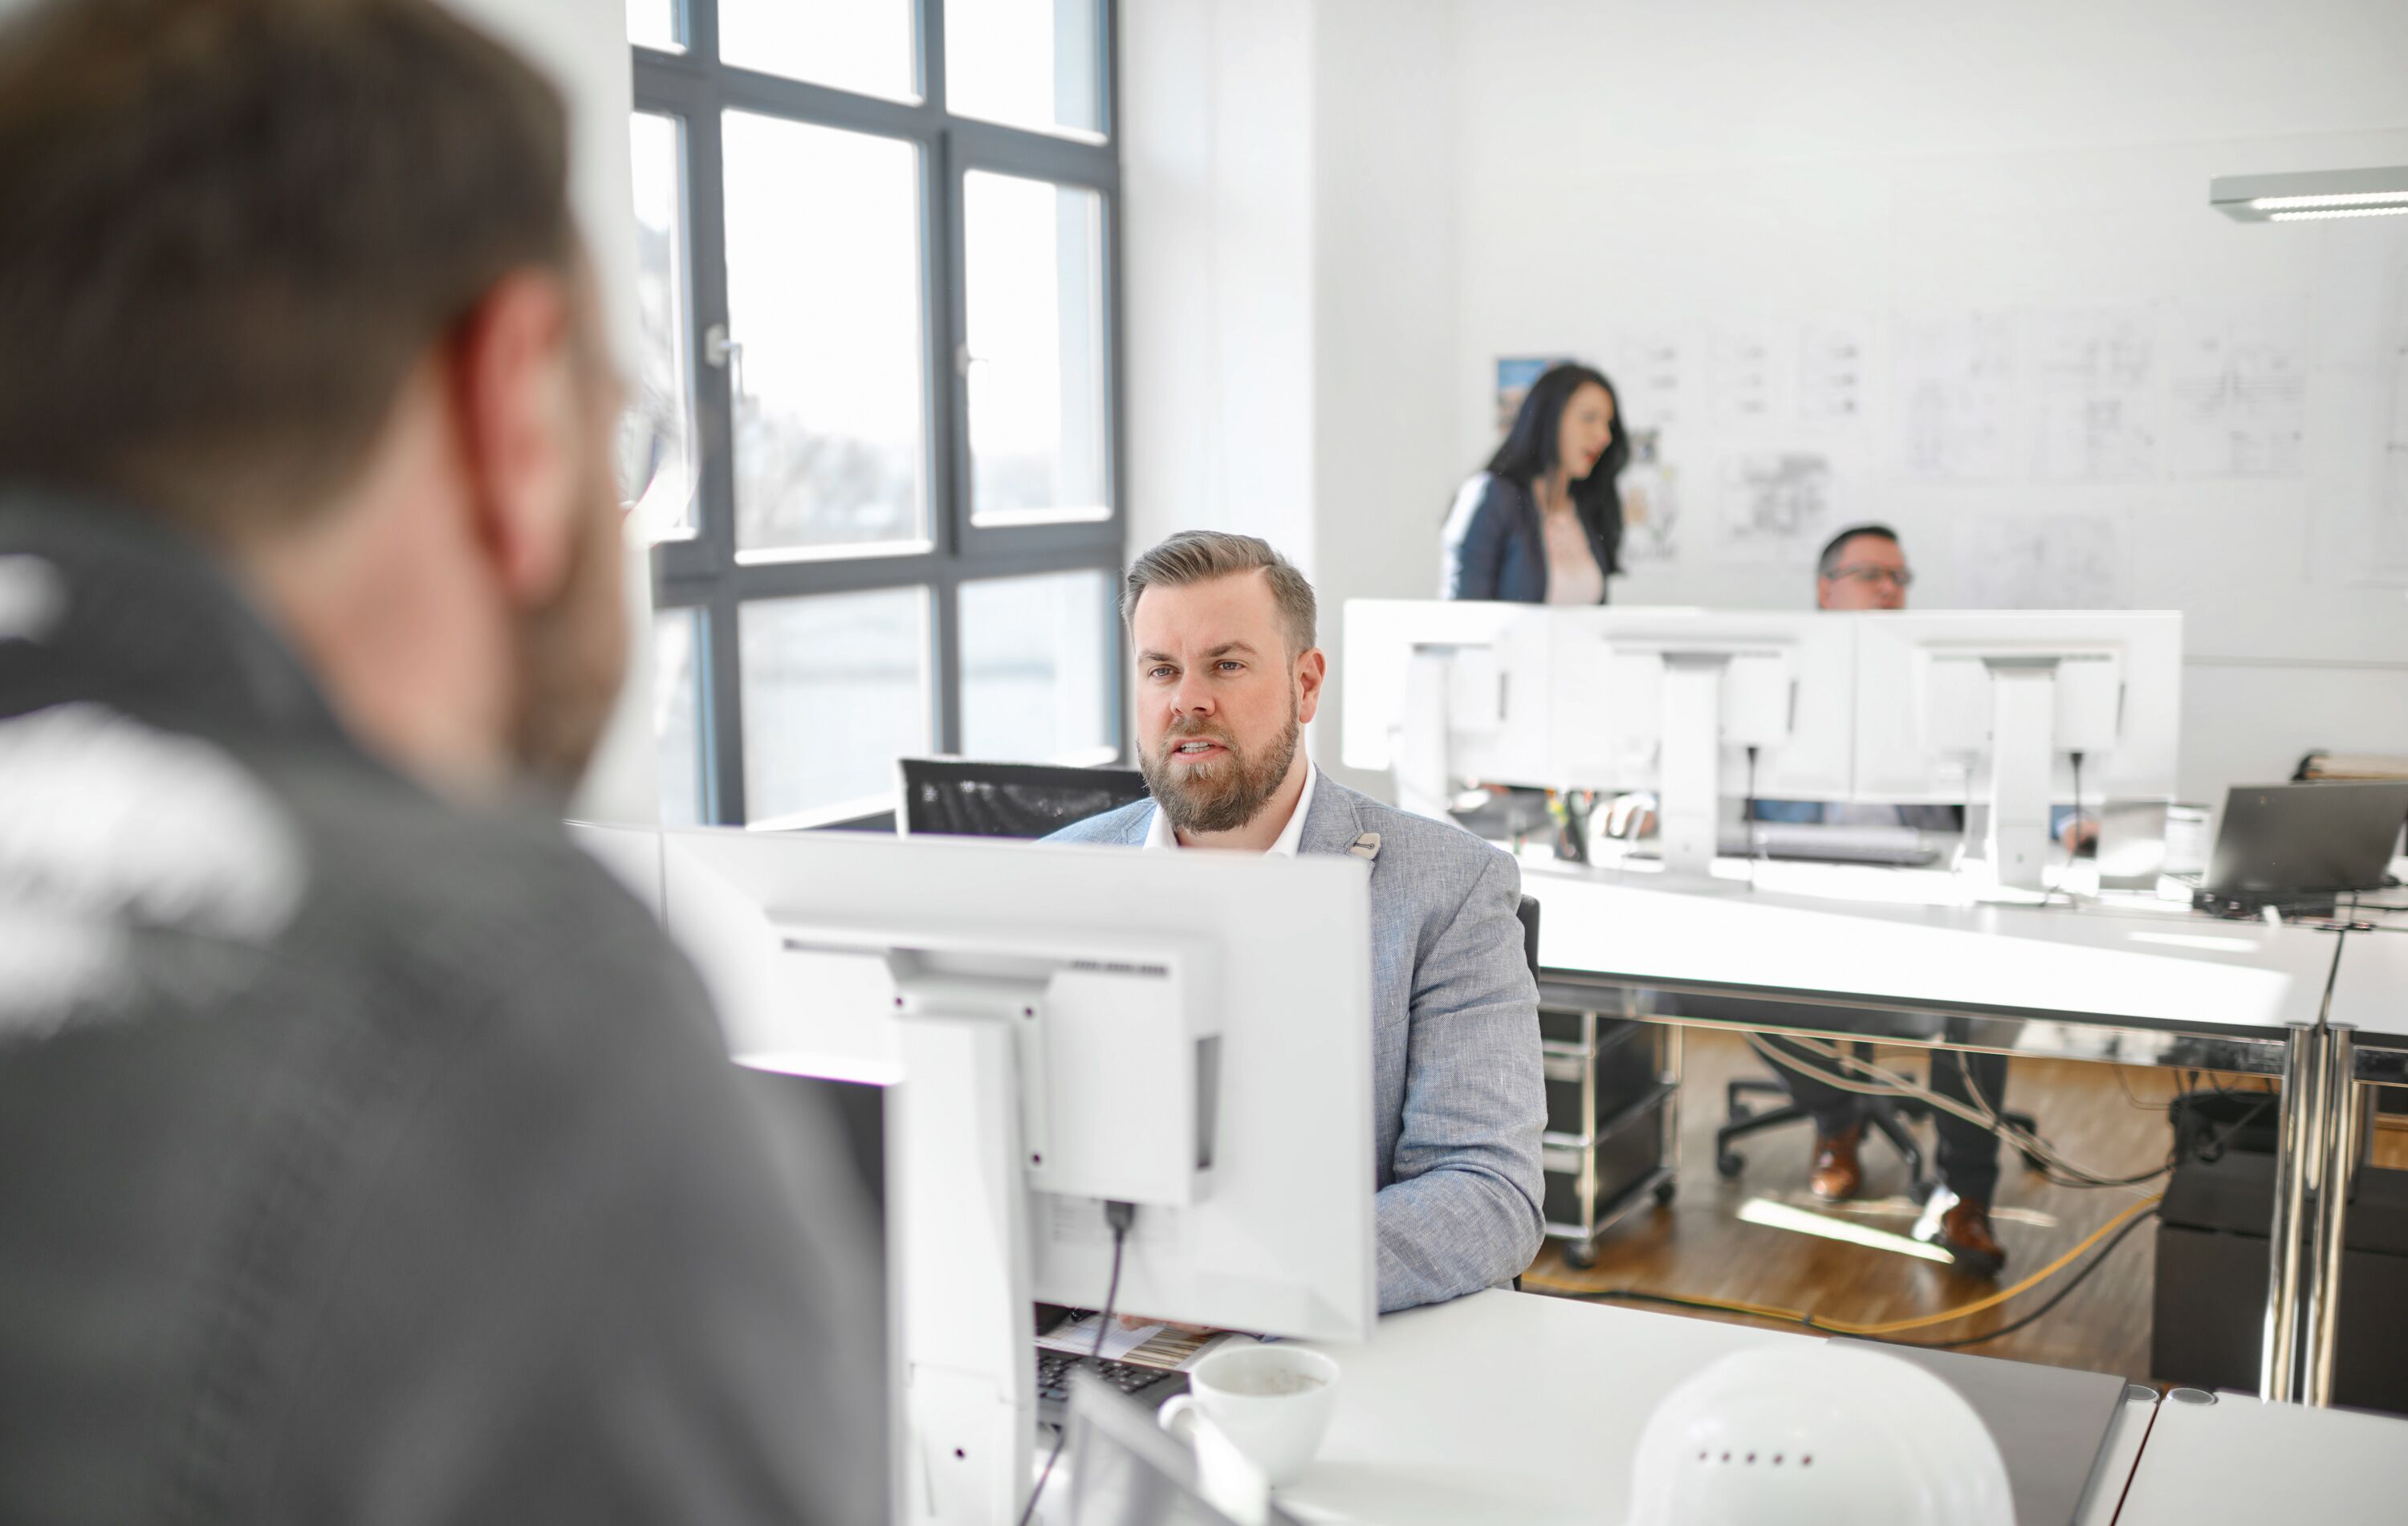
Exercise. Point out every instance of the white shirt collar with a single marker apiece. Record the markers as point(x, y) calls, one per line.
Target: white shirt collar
point(1159, 835)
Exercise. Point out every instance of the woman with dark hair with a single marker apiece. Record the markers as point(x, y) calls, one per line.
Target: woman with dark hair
point(1543, 523)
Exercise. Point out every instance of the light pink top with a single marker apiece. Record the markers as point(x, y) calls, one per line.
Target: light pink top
point(1573, 576)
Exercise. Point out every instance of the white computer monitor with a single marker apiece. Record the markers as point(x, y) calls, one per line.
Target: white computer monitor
point(1664, 699)
point(1061, 1027)
point(1701, 707)
point(1441, 691)
point(1990, 707)
point(631, 853)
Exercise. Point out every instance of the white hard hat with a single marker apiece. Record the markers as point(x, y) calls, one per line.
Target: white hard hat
point(1817, 1433)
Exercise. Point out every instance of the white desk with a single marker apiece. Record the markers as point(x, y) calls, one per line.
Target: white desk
point(1501, 1406)
point(2177, 973)
point(1512, 1406)
point(2239, 1459)
point(2126, 986)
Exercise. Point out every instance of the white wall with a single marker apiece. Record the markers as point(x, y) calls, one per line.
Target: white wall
point(1216, 176)
point(1288, 201)
point(1741, 168)
point(583, 44)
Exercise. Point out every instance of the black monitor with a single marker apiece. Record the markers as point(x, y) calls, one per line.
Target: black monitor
point(960, 798)
point(2283, 840)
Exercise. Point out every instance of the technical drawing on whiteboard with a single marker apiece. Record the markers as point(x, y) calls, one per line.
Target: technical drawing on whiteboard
point(1748, 364)
point(2041, 562)
point(1776, 505)
point(2093, 376)
point(1650, 373)
point(1833, 355)
point(1651, 502)
point(1955, 395)
point(2236, 388)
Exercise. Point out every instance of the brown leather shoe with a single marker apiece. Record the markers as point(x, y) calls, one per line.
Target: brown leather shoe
point(1836, 1174)
point(1964, 1232)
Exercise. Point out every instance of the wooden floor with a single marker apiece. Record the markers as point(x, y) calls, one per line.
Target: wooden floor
point(1699, 1247)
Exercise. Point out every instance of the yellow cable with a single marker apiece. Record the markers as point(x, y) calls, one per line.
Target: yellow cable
point(1764, 1311)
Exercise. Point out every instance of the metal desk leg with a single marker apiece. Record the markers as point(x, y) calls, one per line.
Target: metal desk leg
point(2303, 1054)
point(2340, 1097)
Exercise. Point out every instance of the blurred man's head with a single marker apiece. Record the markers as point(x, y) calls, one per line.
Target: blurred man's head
point(1862, 567)
point(1227, 674)
point(299, 277)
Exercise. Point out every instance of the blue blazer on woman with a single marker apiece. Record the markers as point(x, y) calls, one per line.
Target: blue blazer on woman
point(1495, 548)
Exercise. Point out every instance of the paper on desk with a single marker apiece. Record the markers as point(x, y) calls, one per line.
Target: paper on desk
point(1157, 1345)
point(1079, 1335)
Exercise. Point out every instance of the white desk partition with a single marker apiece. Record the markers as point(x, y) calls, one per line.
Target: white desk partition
point(2246, 978)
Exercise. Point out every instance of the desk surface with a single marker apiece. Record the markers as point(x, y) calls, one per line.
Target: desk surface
point(2130, 970)
point(1501, 1406)
point(1512, 1406)
point(2371, 992)
point(2239, 1459)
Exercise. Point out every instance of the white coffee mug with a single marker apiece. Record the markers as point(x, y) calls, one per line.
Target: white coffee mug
point(1272, 1403)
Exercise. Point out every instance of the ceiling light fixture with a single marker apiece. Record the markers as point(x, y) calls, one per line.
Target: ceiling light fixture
point(2313, 194)
point(2339, 212)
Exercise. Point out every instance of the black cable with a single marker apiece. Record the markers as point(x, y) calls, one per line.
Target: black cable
point(1119, 1216)
point(1747, 817)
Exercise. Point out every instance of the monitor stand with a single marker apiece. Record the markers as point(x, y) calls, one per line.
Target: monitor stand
point(2023, 727)
point(961, 1269)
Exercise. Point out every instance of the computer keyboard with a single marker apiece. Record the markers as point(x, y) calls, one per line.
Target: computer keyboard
point(1855, 843)
point(1147, 1385)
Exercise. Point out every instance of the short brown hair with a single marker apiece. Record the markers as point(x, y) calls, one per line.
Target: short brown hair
point(230, 228)
point(1201, 556)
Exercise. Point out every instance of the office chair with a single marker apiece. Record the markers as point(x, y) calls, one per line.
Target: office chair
point(965, 798)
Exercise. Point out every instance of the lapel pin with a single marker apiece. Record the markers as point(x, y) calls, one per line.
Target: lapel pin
point(1366, 847)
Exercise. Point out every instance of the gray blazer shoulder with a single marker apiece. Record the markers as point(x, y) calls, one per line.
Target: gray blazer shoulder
point(1457, 1096)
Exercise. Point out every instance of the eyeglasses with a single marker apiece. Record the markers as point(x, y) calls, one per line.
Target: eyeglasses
point(1862, 573)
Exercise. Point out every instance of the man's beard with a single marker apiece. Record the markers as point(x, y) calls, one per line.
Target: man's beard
point(1224, 794)
point(573, 652)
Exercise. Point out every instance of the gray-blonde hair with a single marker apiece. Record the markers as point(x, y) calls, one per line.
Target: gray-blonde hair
point(1192, 557)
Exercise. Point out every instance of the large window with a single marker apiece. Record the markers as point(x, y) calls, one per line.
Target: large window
point(874, 434)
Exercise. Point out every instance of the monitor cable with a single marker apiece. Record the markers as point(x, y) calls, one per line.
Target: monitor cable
point(1119, 1216)
point(1747, 818)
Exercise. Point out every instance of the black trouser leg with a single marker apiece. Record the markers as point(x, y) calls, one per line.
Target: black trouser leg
point(1834, 1110)
point(1969, 1152)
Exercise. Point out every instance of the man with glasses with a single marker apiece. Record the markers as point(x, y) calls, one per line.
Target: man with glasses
point(1864, 568)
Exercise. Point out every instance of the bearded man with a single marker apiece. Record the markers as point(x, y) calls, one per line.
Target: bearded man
point(365, 1153)
point(1226, 674)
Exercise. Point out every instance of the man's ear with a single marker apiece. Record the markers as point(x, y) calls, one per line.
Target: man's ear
point(514, 373)
point(1312, 670)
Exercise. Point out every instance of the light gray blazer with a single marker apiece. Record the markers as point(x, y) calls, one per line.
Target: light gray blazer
point(1457, 1098)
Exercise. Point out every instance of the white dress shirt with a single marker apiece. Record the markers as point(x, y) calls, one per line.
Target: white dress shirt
point(1158, 833)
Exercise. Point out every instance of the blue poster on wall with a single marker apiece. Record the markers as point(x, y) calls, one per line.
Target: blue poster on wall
point(1514, 374)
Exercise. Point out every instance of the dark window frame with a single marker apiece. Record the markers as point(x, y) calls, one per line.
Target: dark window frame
point(701, 572)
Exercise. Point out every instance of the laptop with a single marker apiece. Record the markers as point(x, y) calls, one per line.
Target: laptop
point(2280, 845)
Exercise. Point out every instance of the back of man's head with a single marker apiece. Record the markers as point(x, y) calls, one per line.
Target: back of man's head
point(229, 229)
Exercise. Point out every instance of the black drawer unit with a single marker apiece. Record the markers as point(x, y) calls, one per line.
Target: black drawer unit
point(1613, 1121)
